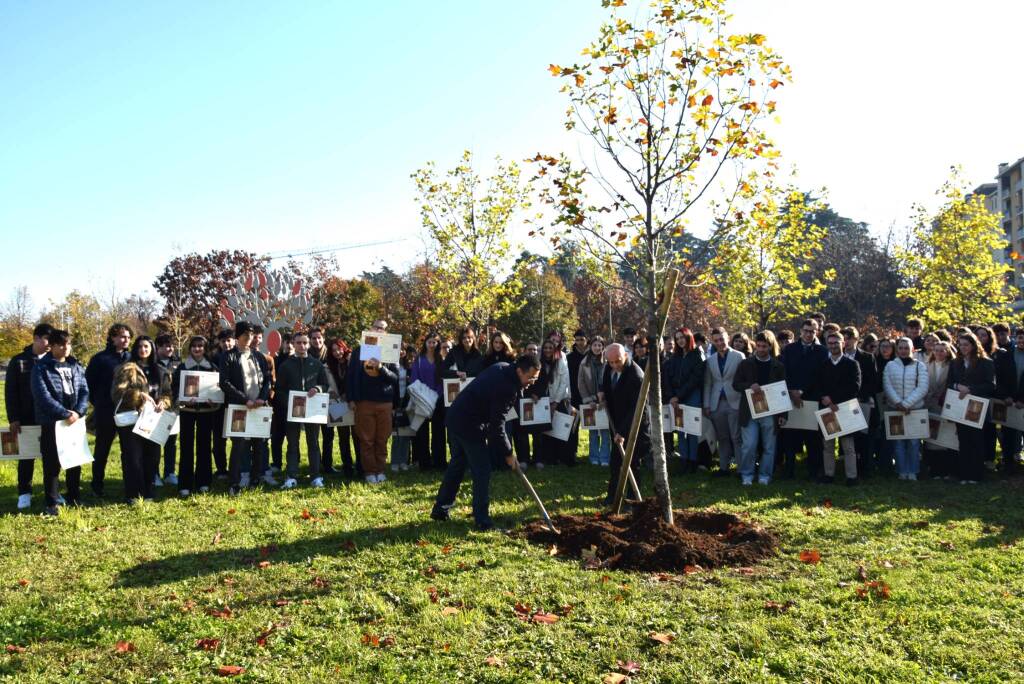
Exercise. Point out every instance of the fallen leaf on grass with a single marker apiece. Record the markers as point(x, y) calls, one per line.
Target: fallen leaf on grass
point(281, 602)
point(446, 549)
point(305, 515)
point(589, 554)
point(862, 573)
point(320, 583)
point(376, 641)
point(265, 551)
point(628, 667)
point(553, 551)
point(230, 670)
point(614, 678)
point(876, 589)
point(40, 540)
point(187, 606)
point(690, 569)
point(14, 648)
point(216, 538)
point(263, 565)
point(231, 511)
point(430, 571)
point(124, 647)
point(919, 524)
point(224, 613)
point(261, 638)
point(449, 610)
point(23, 583)
point(494, 661)
point(887, 565)
point(810, 556)
point(422, 542)
point(661, 638)
point(745, 571)
point(826, 503)
point(776, 607)
point(946, 545)
point(565, 610)
point(542, 618)
point(208, 644)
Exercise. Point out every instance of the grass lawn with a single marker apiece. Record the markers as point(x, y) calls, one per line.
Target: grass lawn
point(355, 583)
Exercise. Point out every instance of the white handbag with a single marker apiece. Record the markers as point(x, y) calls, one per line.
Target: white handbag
point(125, 418)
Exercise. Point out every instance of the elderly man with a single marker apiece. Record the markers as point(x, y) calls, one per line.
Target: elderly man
point(620, 392)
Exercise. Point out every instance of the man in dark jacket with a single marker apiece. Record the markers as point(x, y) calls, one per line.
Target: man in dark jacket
point(837, 380)
point(245, 379)
point(100, 376)
point(20, 409)
point(870, 385)
point(279, 424)
point(59, 392)
point(320, 350)
point(167, 361)
point(802, 359)
point(476, 427)
point(620, 392)
point(301, 373)
point(1009, 367)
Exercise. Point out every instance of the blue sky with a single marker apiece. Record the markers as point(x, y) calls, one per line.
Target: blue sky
point(132, 132)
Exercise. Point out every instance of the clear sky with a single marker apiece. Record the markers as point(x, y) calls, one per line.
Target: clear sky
point(131, 132)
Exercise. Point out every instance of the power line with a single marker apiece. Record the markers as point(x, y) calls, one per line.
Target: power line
point(333, 248)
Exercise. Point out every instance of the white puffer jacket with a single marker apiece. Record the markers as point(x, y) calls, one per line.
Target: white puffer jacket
point(905, 385)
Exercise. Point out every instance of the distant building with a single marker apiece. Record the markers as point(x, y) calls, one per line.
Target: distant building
point(1005, 198)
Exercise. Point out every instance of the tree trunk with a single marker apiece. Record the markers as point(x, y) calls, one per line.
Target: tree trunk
point(655, 325)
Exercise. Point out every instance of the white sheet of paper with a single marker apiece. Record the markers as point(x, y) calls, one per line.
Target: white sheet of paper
point(337, 409)
point(205, 387)
point(310, 409)
point(848, 419)
point(561, 426)
point(708, 434)
point(593, 417)
point(776, 400)
point(370, 351)
point(970, 410)
point(672, 420)
point(535, 412)
point(900, 426)
point(802, 417)
point(386, 346)
point(254, 423)
point(866, 408)
point(942, 433)
point(176, 428)
point(693, 420)
point(72, 444)
point(24, 447)
point(511, 415)
point(156, 427)
point(451, 388)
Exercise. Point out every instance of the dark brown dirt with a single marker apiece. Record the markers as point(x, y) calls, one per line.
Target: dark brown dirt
point(643, 541)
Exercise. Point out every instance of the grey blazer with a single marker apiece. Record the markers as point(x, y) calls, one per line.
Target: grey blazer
point(715, 381)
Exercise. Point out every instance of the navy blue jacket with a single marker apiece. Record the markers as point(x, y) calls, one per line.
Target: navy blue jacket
point(801, 365)
point(362, 387)
point(100, 377)
point(48, 391)
point(18, 388)
point(478, 412)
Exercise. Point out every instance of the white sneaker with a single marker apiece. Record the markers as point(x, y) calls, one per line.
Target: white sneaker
point(395, 467)
point(381, 478)
point(747, 483)
point(372, 479)
point(539, 466)
point(157, 482)
point(912, 477)
point(268, 479)
point(171, 479)
point(184, 493)
point(204, 489)
point(243, 480)
point(405, 466)
point(24, 501)
point(762, 480)
point(290, 483)
point(523, 465)
point(317, 483)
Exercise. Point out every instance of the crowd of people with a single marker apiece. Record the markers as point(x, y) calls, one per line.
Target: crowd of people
point(712, 370)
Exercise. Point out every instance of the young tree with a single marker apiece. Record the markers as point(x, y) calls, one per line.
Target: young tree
point(84, 317)
point(763, 261)
point(952, 275)
point(668, 100)
point(469, 222)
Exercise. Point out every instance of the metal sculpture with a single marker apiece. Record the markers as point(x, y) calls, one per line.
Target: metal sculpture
point(275, 300)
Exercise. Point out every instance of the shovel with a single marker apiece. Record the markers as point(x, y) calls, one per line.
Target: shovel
point(533, 493)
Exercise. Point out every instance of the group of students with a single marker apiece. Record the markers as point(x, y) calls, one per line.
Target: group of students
point(824, 363)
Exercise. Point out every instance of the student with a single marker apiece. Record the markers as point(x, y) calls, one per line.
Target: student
point(59, 392)
point(971, 373)
point(225, 343)
point(913, 330)
point(627, 338)
point(348, 443)
point(100, 376)
point(1002, 333)
point(870, 385)
point(371, 393)
point(640, 353)
point(138, 382)
point(250, 475)
point(444, 348)
point(940, 461)
point(428, 447)
point(167, 361)
point(196, 418)
point(245, 379)
point(319, 350)
point(555, 371)
point(588, 385)
point(906, 386)
point(465, 360)
point(302, 373)
point(741, 343)
point(1007, 378)
point(802, 360)
point(401, 444)
point(784, 338)
point(279, 421)
point(760, 368)
point(721, 401)
point(573, 360)
point(837, 380)
point(687, 384)
point(1013, 374)
point(500, 350)
point(20, 406)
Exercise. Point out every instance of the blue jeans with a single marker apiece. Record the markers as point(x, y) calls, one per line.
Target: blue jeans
point(763, 428)
point(600, 446)
point(474, 454)
point(688, 443)
point(908, 456)
point(400, 447)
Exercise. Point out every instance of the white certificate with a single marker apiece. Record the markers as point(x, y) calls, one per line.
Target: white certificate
point(24, 446)
point(340, 415)
point(561, 426)
point(72, 444)
point(452, 387)
point(511, 415)
point(707, 434)
point(942, 433)
point(201, 386)
point(913, 425)
point(381, 346)
point(1005, 413)
point(303, 408)
point(772, 399)
point(240, 421)
point(846, 419)
point(693, 420)
point(593, 417)
point(803, 417)
point(970, 410)
point(672, 418)
point(156, 427)
point(535, 412)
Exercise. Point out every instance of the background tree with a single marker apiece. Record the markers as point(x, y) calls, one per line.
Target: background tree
point(408, 300)
point(345, 308)
point(85, 318)
point(543, 304)
point(668, 98)
point(17, 318)
point(952, 275)
point(469, 222)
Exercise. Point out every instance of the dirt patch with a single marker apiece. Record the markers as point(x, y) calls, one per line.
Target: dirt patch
point(642, 540)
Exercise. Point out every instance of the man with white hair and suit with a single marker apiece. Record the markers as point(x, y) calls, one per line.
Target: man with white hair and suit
point(721, 401)
point(620, 392)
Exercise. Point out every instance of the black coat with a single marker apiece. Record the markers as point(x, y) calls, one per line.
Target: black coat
point(838, 381)
point(746, 376)
point(980, 378)
point(18, 388)
point(1006, 372)
point(479, 410)
point(472, 363)
point(621, 402)
point(100, 376)
point(574, 359)
point(687, 374)
point(870, 377)
point(232, 377)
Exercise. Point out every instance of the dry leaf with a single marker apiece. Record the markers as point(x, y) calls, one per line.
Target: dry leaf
point(216, 538)
point(553, 551)
point(628, 667)
point(449, 610)
point(446, 549)
point(777, 607)
point(14, 648)
point(615, 678)
point(231, 511)
point(540, 617)
point(305, 515)
point(230, 670)
point(661, 638)
point(919, 525)
point(494, 661)
point(223, 613)
point(124, 647)
point(208, 644)
point(263, 564)
point(862, 573)
point(810, 556)
point(23, 583)
point(887, 565)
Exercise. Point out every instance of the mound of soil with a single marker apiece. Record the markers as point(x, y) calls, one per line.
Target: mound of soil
point(642, 540)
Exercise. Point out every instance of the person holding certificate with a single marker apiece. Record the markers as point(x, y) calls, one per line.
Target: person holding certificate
point(938, 459)
point(802, 359)
point(195, 468)
point(906, 385)
point(302, 373)
point(20, 405)
point(760, 368)
point(428, 446)
point(372, 388)
point(972, 373)
point(588, 383)
point(59, 392)
point(245, 379)
point(837, 380)
point(100, 376)
point(685, 378)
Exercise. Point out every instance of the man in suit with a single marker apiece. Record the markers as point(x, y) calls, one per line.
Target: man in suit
point(620, 392)
point(721, 402)
point(837, 380)
point(1009, 368)
point(801, 359)
point(870, 385)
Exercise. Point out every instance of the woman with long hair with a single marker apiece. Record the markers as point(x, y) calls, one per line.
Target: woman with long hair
point(741, 343)
point(338, 357)
point(401, 443)
point(195, 469)
point(973, 373)
point(589, 383)
point(428, 446)
point(905, 383)
point(938, 460)
point(555, 373)
point(687, 383)
point(987, 338)
point(499, 350)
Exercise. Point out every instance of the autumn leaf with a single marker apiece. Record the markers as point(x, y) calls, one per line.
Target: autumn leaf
point(449, 610)
point(216, 538)
point(614, 678)
point(230, 670)
point(661, 638)
point(305, 515)
point(810, 556)
point(862, 573)
point(14, 648)
point(555, 69)
point(706, 102)
point(446, 549)
point(494, 661)
point(262, 637)
point(542, 618)
point(776, 607)
point(263, 564)
point(628, 667)
point(281, 602)
point(23, 583)
point(231, 511)
point(224, 613)
point(207, 644)
point(124, 647)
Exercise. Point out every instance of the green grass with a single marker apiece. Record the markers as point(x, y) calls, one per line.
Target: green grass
point(151, 574)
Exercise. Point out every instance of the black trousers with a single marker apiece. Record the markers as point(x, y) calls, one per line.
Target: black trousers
point(26, 469)
point(170, 454)
point(51, 469)
point(220, 442)
point(194, 469)
point(278, 432)
point(327, 452)
point(347, 447)
point(140, 459)
point(105, 433)
point(252, 450)
point(641, 452)
point(970, 462)
point(1010, 443)
point(312, 431)
point(795, 441)
point(429, 446)
point(989, 435)
point(474, 454)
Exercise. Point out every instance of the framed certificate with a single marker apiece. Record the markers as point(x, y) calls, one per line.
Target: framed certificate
point(771, 400)
point(72, 444)
point(846, 419)
point(942, 433)
point(535, 412)
point(913, 425)
point(1005, 413)
point(803, 417)
point(593, 417)
point(303, 408)
point(23, 446)
point(970, 410)
point(240, 421)
point(452, 387)
point(384, 347)
point(340, 415)
point(200, 386)
point(693, 420)
point(156, 427)
point(561, 426)
point(672, 417)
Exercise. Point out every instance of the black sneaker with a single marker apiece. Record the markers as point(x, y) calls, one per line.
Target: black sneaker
point(826, 479)
point(50, 510)
point(97, 492)
point(440, 514)
point(851, 482)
